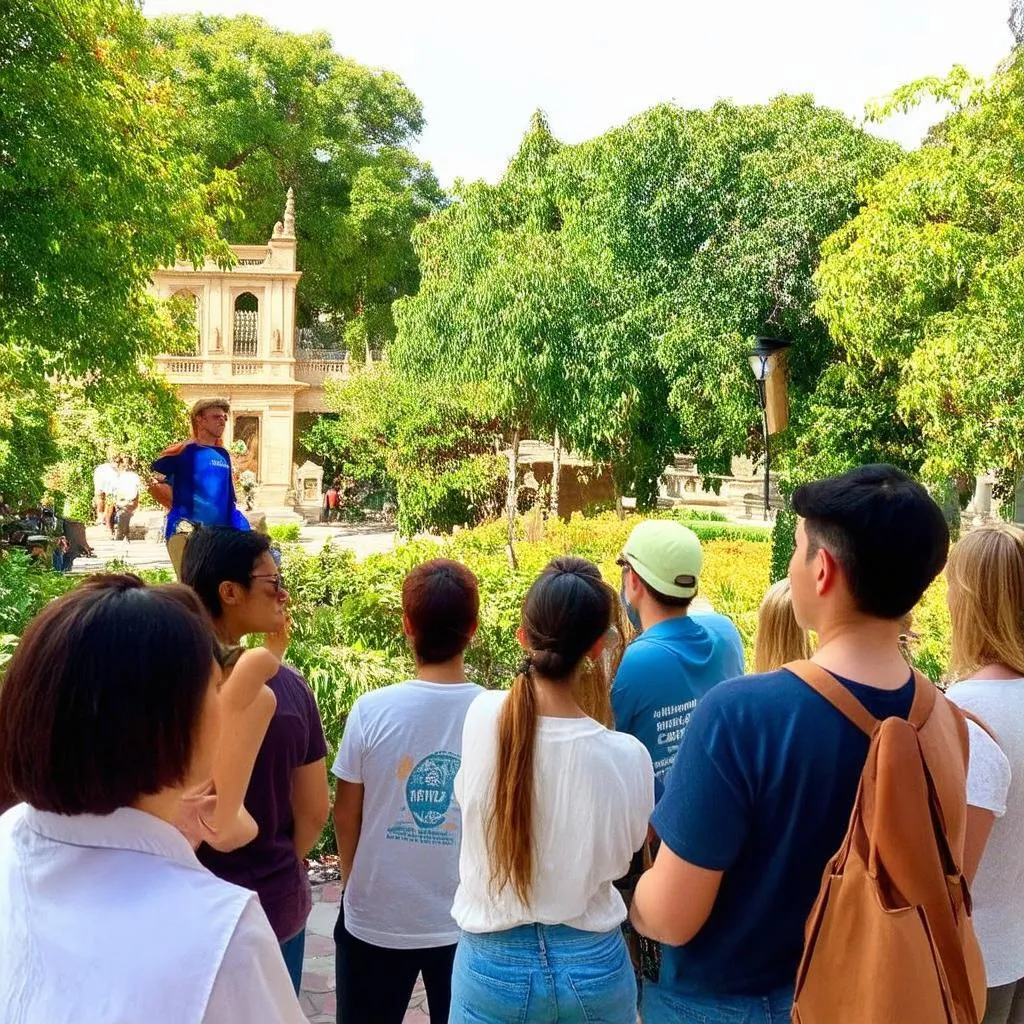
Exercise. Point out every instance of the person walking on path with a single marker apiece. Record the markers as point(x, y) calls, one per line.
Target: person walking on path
point(194, 479)
point(678, 657)
point(109, 712)
point(127, 488)
point(554, 805)
point(237, 579)
point(397, 825)
point(104, 476)
point(761, 793)
point(986, 606)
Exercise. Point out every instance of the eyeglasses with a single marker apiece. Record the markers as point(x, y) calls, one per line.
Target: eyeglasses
point(277, 579)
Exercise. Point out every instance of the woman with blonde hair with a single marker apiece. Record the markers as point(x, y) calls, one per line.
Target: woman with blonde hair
point(780, 639)
point(986, 605)
point(554, 805)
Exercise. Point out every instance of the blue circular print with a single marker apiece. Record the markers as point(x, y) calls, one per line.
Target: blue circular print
point(429, 788)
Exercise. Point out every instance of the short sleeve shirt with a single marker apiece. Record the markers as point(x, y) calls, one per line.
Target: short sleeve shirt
point(202, 488)
point(403, 743)
point(663, 674)
point(762, 789)
point(269, 864)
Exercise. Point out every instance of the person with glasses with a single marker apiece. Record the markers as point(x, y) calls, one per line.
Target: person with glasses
point(679, 656)
point(238, 579)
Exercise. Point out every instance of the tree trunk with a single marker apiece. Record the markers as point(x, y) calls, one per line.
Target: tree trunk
point(510, 498)
point(619, 509)
point(556, 472)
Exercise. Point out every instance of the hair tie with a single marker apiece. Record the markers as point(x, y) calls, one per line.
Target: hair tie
point(525, 665)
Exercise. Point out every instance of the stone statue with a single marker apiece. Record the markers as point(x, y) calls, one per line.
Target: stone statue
point(289, 213)
point(278, 229)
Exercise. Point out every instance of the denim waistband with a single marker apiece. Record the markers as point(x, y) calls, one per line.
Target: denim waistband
point(525, 941)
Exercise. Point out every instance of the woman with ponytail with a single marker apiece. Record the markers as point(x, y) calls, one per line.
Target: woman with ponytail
point(554, 805)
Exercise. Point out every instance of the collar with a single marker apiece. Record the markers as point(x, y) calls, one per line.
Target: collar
point(125, 829)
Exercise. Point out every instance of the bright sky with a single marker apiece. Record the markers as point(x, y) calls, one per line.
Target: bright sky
point(481, 67)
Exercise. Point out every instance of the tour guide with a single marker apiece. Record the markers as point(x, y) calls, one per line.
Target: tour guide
point(193, 479)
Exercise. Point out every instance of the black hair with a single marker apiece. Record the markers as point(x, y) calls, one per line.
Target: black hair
point(442, 602)
point(884, 530)
point(566, 611)
point(220, 554)
point(666, 600)
point(102, 699)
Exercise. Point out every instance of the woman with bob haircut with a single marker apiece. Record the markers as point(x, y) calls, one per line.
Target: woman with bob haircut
point(397, 824)
point(986, 607)
point(108, 716)
point(780, 639)
point(554, 807)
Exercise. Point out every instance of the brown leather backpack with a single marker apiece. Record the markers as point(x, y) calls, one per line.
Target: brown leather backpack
point(890, 939)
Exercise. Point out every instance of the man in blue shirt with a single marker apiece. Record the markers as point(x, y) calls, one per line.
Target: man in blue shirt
point(761, 792)
point(679, 656)
point(194, 479)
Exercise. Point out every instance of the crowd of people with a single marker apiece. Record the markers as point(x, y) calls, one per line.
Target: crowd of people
point(633, 827)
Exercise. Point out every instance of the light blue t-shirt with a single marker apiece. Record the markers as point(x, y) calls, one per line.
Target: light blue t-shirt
point(663, 674)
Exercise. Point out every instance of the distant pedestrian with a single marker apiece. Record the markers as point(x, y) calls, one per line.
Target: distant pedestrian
point(332, 502)
point(103, 480)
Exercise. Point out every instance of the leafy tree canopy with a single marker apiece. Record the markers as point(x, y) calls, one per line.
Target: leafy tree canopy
point(926, 284)
point(276, 109)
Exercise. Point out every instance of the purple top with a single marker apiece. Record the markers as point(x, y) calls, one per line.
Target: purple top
point(269, 864)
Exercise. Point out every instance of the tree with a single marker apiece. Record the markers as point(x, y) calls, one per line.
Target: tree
point(275, 109)
point(431, 447)
point(92, 197)
point(926, 284)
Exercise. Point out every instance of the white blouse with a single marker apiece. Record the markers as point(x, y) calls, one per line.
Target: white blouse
point(593, 794)
point(111, 919)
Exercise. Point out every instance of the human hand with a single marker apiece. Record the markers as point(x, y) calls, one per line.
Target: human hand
point(277, 643)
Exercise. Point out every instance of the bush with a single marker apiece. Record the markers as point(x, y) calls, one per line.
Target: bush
point(284, 533)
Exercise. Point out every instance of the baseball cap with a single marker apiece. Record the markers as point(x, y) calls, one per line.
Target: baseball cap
point(666, 556)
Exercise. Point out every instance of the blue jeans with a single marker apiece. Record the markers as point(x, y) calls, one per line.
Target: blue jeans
point(540, 973)
point(663, 1006)
point(293, 951)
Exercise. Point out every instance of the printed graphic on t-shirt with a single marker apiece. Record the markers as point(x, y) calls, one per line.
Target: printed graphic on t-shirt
point(429, 788)
point(670, 724)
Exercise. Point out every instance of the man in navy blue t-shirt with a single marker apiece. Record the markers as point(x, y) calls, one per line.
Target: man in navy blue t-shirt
point(760, 794)
point(680, 655)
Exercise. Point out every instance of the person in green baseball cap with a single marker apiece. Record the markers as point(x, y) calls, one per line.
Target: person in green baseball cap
point(679, 656)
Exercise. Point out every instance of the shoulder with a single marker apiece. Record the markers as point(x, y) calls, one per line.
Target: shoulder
point(485, 708)
point(720, 625)
point(643, 652)
point(174, 450)
point(751, 703)
point(629, 750)
point(289, 685)
point(376, 702)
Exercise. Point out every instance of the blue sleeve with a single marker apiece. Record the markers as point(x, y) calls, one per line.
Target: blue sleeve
point(238, 520)
point(704, 814)
point(166, 465)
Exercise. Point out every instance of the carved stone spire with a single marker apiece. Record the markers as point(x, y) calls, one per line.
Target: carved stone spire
point(289, 214)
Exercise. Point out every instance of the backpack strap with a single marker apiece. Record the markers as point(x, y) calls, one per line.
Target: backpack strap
point(827, 686)
point(925, 695)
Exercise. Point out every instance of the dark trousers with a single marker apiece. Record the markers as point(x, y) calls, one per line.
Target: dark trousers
point(374, 984)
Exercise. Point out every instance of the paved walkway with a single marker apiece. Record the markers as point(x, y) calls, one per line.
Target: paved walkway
point(363, 539)
point(318, 1000)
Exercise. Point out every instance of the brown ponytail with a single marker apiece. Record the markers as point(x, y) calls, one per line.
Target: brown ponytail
point(565, 613)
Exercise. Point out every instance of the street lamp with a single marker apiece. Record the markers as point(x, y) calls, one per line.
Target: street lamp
point(762, 362)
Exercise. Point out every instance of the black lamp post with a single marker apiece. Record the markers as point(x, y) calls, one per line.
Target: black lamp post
point(762, 362)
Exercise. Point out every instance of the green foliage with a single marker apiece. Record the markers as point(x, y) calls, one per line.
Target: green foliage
point(134, 414)
point(925, 285)
point(783, 543)
point(429, 447)
point(284, 533)
point(93, 195)
point(24, 590)
point(273, 109)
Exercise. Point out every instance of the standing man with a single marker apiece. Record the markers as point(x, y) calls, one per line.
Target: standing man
point(678, 657)
point(194, 481)
point(103, 477)
point(760, 795)
point(237, 579)
point(127, 488)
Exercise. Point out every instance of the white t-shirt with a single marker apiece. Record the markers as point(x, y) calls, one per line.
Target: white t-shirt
point(104, 478)
point(593, 795)
point(998, 889)
point(403, 743)
point(127, 486)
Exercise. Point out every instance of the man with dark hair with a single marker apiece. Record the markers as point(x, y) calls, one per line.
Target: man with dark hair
point(679, 656)
point(398, 828)
point(237, 578)
point(761, 792)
